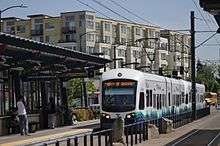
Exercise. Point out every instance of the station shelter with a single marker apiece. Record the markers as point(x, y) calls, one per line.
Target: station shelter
point(37, 71)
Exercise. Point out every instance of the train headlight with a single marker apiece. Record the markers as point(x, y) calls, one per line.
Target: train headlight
point(128, 116)
point(106, 116)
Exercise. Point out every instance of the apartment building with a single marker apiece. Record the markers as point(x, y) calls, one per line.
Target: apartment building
point(178, 51)
point(127, 43)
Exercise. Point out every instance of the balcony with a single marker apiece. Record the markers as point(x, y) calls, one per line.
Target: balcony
point(67, 41)
point(68, 30)
point(37, 32)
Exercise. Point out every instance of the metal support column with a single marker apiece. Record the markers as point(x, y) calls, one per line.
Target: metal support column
point(193, 78)
point(43, 112)
point(84, 92)
point(114, 49)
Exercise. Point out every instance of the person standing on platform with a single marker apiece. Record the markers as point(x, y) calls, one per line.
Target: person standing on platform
point(23, 119)
point(51, 113)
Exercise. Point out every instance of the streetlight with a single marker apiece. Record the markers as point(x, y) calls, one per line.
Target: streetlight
point(151, 55)
point(83, 80)
point(11, 7)
point(80, 39)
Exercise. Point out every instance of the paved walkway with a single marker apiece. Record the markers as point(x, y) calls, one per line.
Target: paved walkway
point(209, 122)
point(50, 134)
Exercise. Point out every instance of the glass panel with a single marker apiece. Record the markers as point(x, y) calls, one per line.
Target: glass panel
point(118, 95)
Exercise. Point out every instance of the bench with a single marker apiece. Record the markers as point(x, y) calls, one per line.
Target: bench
point(33, 126)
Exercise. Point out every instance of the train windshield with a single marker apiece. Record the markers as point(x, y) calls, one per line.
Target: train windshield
point(118, 95)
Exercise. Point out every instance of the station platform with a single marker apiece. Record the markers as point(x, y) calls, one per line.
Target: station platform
point(182, 134)
point(49, 134)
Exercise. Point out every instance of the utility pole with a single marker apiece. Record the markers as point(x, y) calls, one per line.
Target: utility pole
point(193, 77)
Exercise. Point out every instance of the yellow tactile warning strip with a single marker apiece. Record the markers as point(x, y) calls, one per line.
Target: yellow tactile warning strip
point(46, 137)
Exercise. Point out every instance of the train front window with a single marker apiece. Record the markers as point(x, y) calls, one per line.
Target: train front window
point(119, 95)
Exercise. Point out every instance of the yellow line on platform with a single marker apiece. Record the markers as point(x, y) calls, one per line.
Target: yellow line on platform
point(46, 137)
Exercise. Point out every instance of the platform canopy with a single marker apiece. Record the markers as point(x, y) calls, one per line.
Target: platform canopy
point(212, 6)
point(41, 59)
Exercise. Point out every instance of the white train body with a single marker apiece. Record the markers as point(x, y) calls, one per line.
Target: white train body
point(135, 96)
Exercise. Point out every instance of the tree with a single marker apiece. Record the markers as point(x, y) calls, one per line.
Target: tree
point(91, 87)
point(75, 90)
point(206, 75)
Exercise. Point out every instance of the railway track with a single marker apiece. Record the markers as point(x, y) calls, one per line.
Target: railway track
point(198, 138)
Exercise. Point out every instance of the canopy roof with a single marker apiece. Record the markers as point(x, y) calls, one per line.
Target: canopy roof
point(36, 58)
point(212, 6)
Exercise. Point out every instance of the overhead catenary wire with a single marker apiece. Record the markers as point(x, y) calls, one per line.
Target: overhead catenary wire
point(134, 14)
point(204, 19)
point(93, 9)
point(99, 3)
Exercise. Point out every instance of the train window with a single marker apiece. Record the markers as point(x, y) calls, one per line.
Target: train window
point(174, 100)
point(141, 101)
point(147, 97)
point(164, 100)
point(155, 101)
point(150, 97)
point(160, 101)
point(187, 100)
point(169, 98)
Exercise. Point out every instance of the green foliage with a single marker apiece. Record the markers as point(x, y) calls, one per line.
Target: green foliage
point(75, 90)
point(206, 76)
point(90, 87)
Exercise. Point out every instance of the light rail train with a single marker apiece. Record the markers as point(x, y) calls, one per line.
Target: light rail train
point(135, 96)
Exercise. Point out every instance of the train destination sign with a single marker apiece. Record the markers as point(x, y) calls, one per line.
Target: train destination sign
point(119, 84)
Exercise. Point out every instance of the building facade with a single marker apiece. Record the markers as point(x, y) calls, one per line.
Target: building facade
point(128, 44)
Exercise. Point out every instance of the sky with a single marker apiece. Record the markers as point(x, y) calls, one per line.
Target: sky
point(169, 14)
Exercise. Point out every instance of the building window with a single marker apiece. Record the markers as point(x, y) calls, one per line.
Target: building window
point(163, 56)
point(70, 24)
point(138, 31)
point(136, 53)
point(123, 29)
point(39, 39)
point(89, 24)
point(90, 37)
point(38, 26)
point(152, 44)
point(89, 49)
point(49, 26)
point(89, 21)
point(10, 23)
point(97, 26)
point(49, 39)
point(69, 18)
point(151, 33)
point(143, 33)
point(163, 46)
point(121, 52)
point(107, 39)
point(10, 30)
point(97, 38)
point(70, 38)
point(107, 27)
point(21, 29)
point(114, 29)
point(157, 34)
point(37, 21)
point(105, 50)
point(123, 41)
